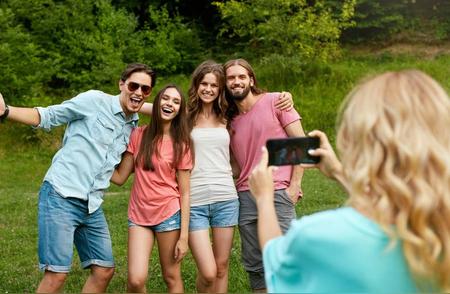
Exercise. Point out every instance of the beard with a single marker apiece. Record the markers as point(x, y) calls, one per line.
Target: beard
point(238, 96)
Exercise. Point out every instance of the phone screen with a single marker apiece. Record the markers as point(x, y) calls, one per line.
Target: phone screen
point(292, 151)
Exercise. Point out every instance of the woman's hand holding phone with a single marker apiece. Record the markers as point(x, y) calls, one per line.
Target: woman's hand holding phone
point(329, 164)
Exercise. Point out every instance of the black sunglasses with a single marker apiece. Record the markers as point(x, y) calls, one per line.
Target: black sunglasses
point(132, 86)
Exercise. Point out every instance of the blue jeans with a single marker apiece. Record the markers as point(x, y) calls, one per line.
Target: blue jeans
point(170, 224)
point(216, 215)
point(64, 222)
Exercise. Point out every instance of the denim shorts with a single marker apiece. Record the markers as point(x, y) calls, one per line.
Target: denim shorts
point(64, 222)
point(170, 224)
point(216, 215)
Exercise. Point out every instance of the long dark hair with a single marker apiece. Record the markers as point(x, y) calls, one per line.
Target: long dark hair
point(232, 109)
point(195, 103)
point(153, 133)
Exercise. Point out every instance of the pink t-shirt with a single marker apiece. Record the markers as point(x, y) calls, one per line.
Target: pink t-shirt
point(250, 131)
point(155, 195)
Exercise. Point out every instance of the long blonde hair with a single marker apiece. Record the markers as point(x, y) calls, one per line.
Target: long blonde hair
point(395, 147)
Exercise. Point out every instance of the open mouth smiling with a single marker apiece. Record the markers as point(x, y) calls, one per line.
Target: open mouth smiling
point(167, 110)
point(135, 101)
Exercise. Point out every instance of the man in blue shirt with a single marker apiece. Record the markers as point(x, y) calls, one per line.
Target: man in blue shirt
point(97, 133)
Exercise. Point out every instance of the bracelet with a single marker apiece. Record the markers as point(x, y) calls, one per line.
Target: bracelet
point(5, 114)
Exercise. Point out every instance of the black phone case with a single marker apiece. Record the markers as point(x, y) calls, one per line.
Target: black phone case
point(292, 150)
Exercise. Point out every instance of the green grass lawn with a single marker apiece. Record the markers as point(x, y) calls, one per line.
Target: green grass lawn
point(21, 173)
point(25, 156)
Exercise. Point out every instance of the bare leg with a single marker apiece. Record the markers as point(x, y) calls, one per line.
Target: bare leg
point(98, 280)
point(202, 252)
point(222, 244)
point(140, 243)
point(171, 270)
point(52, 282)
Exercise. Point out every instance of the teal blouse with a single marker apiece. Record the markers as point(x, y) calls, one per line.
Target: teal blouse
point(336, 251)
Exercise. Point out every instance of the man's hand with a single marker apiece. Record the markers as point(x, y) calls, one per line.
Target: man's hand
point(285, 101)
point(2, 105)
point(294, 192)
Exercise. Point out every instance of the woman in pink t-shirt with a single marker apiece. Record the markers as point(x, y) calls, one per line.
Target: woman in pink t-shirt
point(160, 156)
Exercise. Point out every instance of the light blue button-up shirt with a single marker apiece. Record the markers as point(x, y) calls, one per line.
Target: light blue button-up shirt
point(97, 134)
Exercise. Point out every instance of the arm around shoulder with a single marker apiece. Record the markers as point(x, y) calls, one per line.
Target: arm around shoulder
point(285, 101)
point(146, 109)
point(123, 170)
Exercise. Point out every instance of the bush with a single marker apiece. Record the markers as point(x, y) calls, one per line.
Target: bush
point(21, 67)
point(59, 48)
point(168, 44)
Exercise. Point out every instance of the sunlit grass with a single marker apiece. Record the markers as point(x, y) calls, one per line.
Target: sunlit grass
point(25, 156)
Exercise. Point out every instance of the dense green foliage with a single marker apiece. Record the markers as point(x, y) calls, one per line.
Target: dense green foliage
point(406, 20)
point(285, 27)
point(60, 48)
point(51, 49)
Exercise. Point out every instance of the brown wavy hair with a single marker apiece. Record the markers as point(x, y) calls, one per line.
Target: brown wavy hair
point(195, 104)
point(232, 109)
point(153, 133)
point(395, 150)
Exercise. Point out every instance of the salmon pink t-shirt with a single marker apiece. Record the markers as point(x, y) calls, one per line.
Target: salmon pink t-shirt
point(250, 131)
point(155, 195)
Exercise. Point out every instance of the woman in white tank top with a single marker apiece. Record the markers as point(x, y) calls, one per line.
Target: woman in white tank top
point(214, 200)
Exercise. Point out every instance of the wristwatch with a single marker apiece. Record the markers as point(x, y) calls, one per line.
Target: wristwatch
point(5, 114)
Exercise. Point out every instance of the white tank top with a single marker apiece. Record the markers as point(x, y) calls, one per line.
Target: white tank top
point(211, 178)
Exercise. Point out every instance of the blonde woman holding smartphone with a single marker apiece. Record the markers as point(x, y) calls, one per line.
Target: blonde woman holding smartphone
point(394, 233)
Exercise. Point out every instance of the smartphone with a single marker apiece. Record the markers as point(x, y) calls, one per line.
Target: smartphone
point(292, 150)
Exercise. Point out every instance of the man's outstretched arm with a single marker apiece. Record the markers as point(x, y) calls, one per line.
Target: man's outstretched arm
point(28, 116)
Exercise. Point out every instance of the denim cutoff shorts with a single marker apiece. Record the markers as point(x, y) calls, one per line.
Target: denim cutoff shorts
point(216, 215)
point(64, 222)
point(170, 224)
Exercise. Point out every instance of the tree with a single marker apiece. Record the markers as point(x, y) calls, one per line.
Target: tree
point(59, 48)
point(285, 27)
point(377, 19)
point(21, 67)
point(423, 20)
